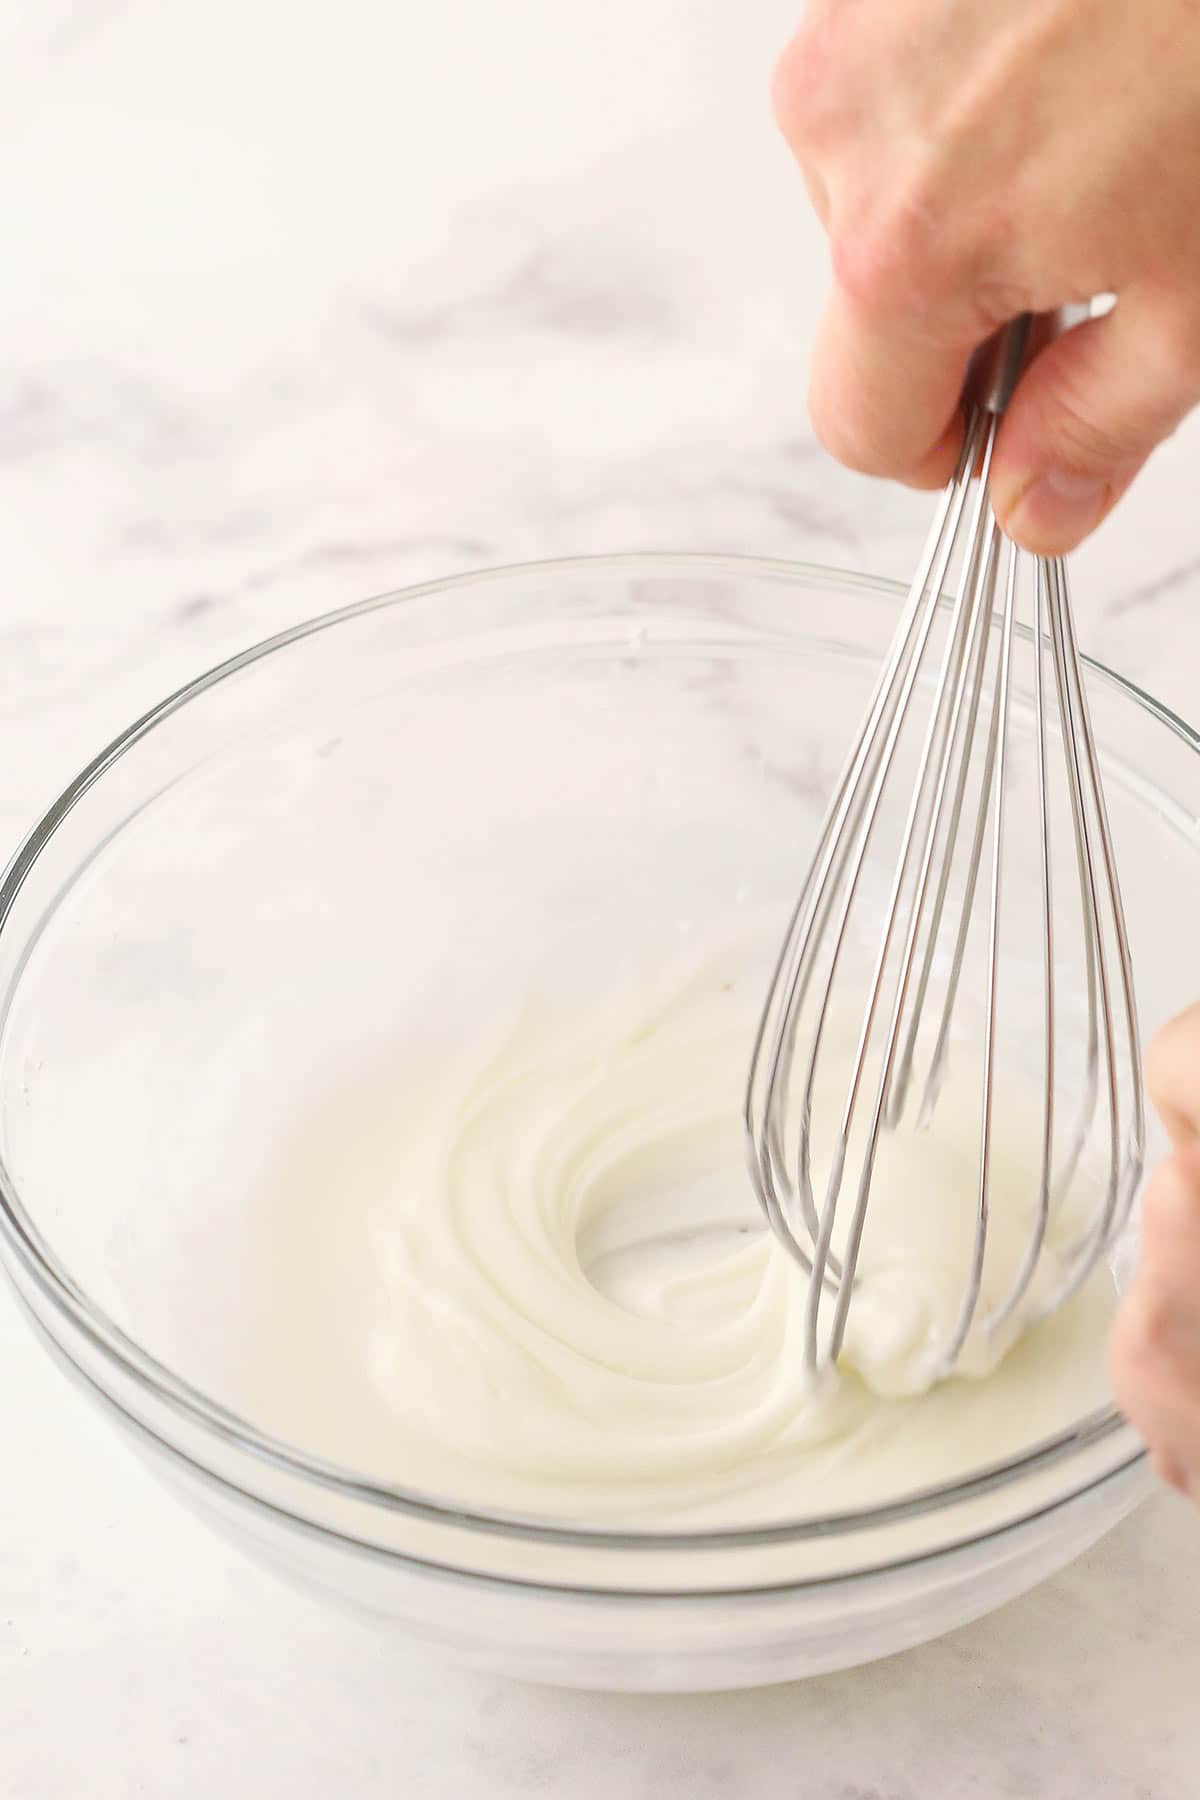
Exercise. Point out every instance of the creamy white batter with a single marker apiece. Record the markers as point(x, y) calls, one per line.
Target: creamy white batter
point(532, 1276)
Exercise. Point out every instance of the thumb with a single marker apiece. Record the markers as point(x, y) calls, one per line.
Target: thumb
point(1085, 416)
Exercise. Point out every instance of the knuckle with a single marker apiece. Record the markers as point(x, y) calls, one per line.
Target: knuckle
point(1084, 440)
point(900, 250)
point(884, 259)
point(862, 265)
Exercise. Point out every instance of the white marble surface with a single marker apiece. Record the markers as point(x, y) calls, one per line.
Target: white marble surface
point(300, 303)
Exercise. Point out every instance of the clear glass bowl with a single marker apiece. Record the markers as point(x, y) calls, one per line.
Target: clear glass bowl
point(320, 844)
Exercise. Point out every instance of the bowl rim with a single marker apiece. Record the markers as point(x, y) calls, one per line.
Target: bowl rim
point(118, 1350)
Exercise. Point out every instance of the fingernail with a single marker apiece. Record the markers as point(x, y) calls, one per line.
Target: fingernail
point(1055, 511)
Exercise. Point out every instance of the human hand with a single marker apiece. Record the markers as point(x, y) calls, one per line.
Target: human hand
point(972, 162)
point(1155, 1352)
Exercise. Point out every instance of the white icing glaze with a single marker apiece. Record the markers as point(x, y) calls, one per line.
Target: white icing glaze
point(534, 1277)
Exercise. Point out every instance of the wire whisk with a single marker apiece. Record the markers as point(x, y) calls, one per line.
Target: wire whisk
point(940, 911)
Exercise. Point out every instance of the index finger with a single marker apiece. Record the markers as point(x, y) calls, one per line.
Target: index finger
point(885, 393)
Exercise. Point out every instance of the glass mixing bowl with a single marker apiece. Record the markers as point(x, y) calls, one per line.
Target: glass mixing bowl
point(379, 819)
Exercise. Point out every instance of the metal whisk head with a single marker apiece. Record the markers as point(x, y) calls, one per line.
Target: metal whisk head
point(933, 781)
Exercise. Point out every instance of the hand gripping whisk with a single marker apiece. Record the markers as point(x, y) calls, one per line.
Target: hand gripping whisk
point(948, 697)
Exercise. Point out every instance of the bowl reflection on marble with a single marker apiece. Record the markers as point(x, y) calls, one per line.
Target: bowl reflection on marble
point(343, 830)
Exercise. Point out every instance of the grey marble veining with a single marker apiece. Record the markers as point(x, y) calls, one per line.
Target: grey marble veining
point(302, 303)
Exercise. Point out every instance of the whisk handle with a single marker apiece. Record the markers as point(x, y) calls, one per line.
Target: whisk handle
point(998, 365)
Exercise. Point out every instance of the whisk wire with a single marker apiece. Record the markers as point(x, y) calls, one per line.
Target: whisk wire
point(972, 608)
point(970, 1303)
point(789, 982)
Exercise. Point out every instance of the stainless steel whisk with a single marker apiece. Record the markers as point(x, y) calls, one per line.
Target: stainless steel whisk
point(956, 810)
